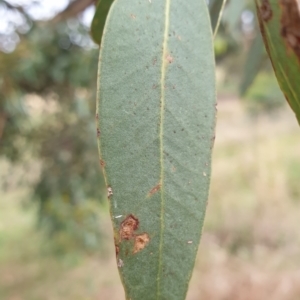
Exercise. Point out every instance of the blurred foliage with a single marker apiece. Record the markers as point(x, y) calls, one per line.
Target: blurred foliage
point(48, 86)
point(293, 174)
point(264, 95)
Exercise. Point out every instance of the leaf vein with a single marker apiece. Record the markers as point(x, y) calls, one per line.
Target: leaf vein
point(162, 108)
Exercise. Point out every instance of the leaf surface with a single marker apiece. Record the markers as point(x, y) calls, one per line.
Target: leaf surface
point(99, 19)
point(156, 119)
point(280, 27)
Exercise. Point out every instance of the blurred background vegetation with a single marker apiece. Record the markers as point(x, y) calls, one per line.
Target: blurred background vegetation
point(55, 234)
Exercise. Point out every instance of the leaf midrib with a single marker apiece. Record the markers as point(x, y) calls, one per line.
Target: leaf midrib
point(162, 109)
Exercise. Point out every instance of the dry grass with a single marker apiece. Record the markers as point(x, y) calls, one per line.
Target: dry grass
point(250, 248)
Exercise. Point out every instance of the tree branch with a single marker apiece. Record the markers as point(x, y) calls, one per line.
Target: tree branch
point(73, 9)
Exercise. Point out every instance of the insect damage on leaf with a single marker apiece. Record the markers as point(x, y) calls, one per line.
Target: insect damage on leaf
point(290, 25)
point(266, 11)
point(127, 232)
point(128, 226)
point(109, 192)
point(120, 263)
point(140, 242)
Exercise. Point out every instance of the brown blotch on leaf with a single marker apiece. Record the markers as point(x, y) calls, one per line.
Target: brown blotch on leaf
point(290, 25)
point(266, 11)
point(128, 226)
point(140, 242)
point(117, 250)
point(102, 163)
point(154, 190)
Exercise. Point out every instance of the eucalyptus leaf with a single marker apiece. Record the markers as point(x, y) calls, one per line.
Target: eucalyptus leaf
point(253, 64)
point(156, 123)
point(232, 15)
point(280, 27)
point(99, 19)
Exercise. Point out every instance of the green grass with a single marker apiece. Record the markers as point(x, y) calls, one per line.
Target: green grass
point(250, 248)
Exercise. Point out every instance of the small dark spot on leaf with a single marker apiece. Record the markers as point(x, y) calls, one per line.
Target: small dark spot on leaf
point(102, 163)
point(98, 132)
point(117, 250)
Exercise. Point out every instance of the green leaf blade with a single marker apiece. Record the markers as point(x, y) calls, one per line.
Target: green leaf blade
point(279, 22)
point(156, 118)
point(253, 64)
point(99, 19)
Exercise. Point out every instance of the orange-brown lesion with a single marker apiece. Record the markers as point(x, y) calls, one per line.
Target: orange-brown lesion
point(140, 242)
point(128, 227)
point(154, 190)
point(127, 232)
